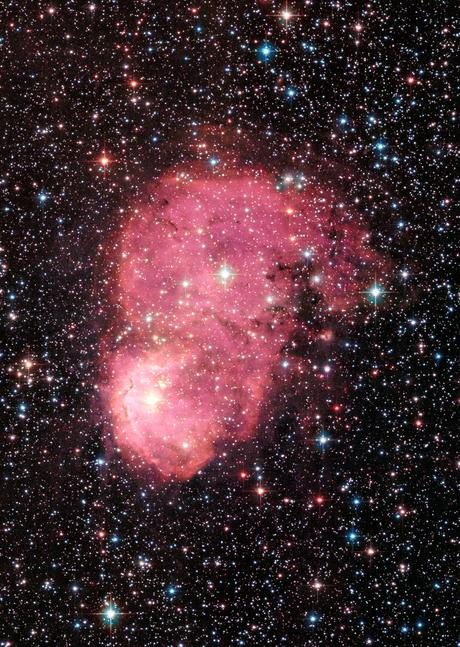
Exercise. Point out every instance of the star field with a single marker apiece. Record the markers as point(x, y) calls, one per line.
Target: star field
point(230, 324)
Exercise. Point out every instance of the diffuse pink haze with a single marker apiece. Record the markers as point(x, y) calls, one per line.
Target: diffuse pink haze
point(209, 301)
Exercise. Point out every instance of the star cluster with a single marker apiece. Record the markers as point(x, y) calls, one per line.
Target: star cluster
point(229, 354)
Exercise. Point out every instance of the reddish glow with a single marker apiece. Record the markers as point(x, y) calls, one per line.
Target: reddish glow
point(207, 303)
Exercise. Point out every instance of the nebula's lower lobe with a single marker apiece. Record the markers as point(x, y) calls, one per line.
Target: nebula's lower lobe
point(212, 265)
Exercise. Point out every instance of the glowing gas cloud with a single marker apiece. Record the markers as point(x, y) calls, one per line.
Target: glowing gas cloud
point(212, 263)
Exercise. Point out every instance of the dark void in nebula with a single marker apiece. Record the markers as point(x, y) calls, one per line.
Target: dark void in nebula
point(213, 263)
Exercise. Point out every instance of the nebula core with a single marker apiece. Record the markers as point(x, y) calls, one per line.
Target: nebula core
point(212, 264)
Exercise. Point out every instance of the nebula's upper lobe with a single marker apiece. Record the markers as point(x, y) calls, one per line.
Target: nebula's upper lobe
point(209, 269)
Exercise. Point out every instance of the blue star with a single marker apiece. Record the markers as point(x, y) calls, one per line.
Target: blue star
point(352, 536)
point(110, 614)
point(322, 440)
point(266, 51)
point(375, 293)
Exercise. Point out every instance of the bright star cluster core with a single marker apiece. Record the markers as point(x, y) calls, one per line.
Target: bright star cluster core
point(229, 350)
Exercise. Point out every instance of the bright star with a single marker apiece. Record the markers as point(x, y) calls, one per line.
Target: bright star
point(265, 51)
point(375, 293)
point(225, 273)
point(286, 14)
point(110, 614)
point(352, 535)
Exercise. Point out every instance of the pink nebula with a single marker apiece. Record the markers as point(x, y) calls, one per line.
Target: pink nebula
point(209, 297)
